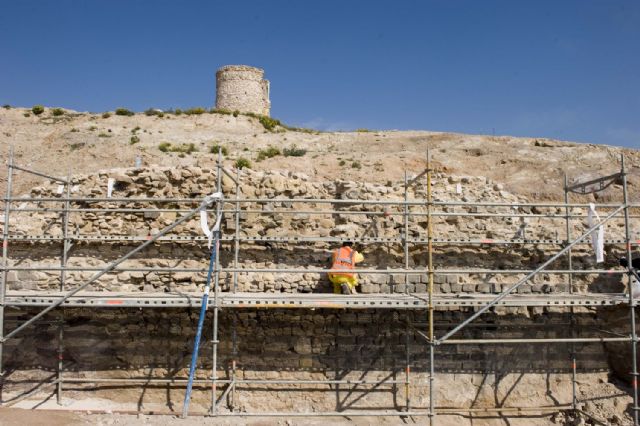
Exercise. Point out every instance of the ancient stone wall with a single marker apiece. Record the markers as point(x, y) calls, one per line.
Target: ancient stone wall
point(242, 88)
point(462, 240)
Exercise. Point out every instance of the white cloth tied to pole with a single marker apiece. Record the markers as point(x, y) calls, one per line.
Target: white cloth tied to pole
point(204, 219)
point(597, 236)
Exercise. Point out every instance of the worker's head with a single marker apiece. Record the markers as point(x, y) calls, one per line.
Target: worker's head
point(347, 244)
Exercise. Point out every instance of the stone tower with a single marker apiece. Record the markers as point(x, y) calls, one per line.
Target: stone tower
point(242, 88)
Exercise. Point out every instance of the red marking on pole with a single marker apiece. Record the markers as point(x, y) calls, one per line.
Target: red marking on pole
point(408, 369)
point(149, 237)
point(635, 383)
point(115, 302)
point(486, 241)
point(5, 243)
point(573, 365)
point(60, 357)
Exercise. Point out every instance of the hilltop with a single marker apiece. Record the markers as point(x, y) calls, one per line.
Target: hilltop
point(85, 142)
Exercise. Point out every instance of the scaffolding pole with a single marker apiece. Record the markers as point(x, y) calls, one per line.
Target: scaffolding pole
point(63, 264)
point(632, 311)
point(574, 394)
point(432, 412)
point(216, 307)
point(5, 259)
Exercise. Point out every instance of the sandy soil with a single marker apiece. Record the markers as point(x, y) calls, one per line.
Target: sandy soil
point(83, 142)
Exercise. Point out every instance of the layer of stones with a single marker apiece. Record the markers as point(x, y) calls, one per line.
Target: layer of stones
point(291, 218)
point(322, 344)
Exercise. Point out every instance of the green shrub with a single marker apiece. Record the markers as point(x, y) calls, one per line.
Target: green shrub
point(270, 152)
point(153, 111)
point(26, 114)
point(236, 113)
point(220, 111)
point(124, 111)
point(57, 112)
point(363, 130)
point(356, 165)
point(187, 148)
point(6, 106)
point(294, 151)
point(242, 163)
point(134, 140)
point(135, 129)
point(104, 135)
point(214, 149)
point(195, 111)
point(178, 111)
point(74, 130)
point(342, 163)
point(106, 114)
point(37, 109)
point(268, 123)
point(92, 128)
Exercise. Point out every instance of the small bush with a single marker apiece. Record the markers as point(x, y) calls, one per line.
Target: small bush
point(135, 129)
point(124, 111)
point(270, 152)
point(37, 109)
point(6, 106)
point(268, 123)
point(92, 128)
point(57, 112)
point(342, 163)
point(178, 111)
point(74, 130)
point(214, 149)
point(220, 111)
point(134, 140)
point(363, 130)
point(294, 151)
point(236, 113)
point(106, 114)
point(152, 111)
point(356, 165)
point(182, 149)
point(195, 111)
point(26, 114)
point(104, 135)
point(242, 163)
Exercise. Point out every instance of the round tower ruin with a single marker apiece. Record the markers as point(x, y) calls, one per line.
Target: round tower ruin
point(242, 88)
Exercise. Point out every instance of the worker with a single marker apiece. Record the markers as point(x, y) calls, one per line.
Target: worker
point(343, 260)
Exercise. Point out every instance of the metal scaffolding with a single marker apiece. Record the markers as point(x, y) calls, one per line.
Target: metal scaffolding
point(427, 302)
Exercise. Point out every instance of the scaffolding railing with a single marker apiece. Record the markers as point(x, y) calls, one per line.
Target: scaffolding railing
point(236, 206)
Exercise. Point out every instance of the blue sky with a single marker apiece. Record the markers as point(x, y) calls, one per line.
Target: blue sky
point(561, 69)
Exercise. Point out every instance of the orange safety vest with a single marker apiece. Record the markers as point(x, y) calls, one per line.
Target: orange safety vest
point(343, 260)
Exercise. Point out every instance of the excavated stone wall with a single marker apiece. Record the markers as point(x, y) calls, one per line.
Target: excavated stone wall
point(258, 220)
point(310, 344)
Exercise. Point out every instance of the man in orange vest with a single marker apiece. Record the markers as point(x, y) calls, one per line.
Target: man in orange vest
point(343, 260)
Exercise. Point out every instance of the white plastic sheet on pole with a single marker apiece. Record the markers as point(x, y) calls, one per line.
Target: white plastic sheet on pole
point(110, 184)
point(597, 236)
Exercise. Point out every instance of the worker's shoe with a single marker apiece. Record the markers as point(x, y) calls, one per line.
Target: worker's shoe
point(353, 290)
point(346, 289)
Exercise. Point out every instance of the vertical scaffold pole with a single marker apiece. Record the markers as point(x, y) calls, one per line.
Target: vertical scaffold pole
point(406, 289)
point(5, 254)
point(63, 264)
point(430, 272)
point(234, 325)
point(216, 291)
point(632, 311)
point(567, 222)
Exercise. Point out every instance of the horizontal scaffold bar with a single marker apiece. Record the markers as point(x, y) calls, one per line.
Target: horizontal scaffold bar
point(310, 300)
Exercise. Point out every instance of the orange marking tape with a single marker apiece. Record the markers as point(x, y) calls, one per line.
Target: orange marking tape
point(115, 302)
point(5, 243)
point(486, 241)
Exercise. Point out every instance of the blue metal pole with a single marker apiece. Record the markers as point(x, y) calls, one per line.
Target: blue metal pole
point(196, 343)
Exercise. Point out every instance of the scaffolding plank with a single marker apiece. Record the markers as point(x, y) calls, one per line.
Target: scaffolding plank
point(309, 301)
